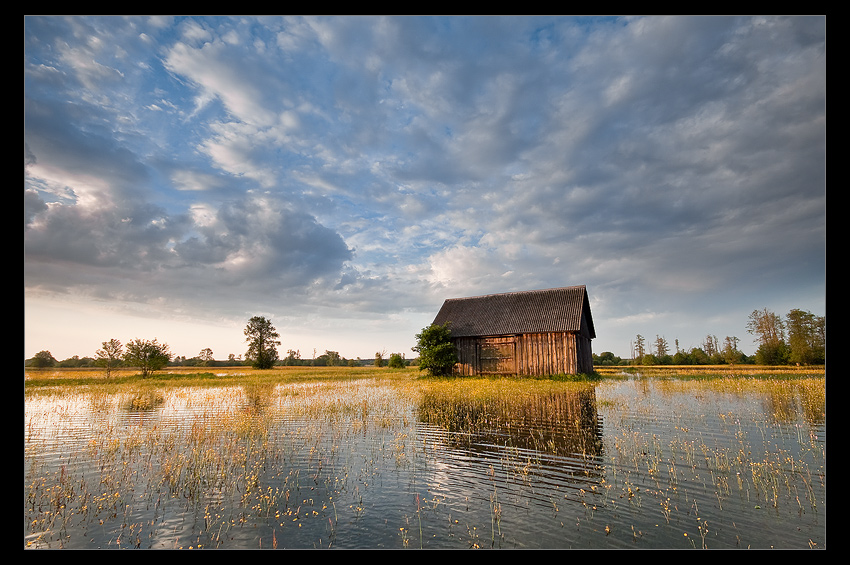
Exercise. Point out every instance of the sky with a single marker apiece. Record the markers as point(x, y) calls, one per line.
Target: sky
point(343, 176)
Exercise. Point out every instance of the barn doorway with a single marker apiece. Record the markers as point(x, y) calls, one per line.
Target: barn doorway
point(497, 355)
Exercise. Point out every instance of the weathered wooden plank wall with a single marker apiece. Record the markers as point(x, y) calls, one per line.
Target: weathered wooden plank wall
point(545, 353)
point(548, 353)
point(465, 347)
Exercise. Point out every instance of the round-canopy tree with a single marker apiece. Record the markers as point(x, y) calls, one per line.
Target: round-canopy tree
point(262, 341)
point(43, 359)
point(149, 356)
point(396, 361)
point(436, 352)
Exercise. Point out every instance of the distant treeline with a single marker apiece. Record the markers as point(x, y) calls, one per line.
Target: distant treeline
point(333, 359)
point(797, 339)
point(694, 356)
point(44, 359)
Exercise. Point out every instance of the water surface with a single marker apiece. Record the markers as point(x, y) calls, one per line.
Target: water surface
point(623, 463)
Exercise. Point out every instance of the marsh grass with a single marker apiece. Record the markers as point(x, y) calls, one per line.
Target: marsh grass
point(35, 379)
point(237, 454)
point(681, 372)
point(735, 453)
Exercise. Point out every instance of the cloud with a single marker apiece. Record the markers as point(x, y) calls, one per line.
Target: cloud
point(361, 166)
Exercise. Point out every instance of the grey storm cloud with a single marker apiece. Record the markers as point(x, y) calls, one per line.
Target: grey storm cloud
point(260, 238)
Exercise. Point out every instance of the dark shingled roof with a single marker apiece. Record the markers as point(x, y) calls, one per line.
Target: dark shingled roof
point(552, 310)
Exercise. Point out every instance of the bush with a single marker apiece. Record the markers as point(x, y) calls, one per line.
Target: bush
point(396, 361)
point(436, 351)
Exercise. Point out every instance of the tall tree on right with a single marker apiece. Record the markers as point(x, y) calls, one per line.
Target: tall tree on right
point(806, 337)
point(770, 335)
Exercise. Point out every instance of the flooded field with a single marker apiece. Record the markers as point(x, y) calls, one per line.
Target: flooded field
point(384, 459)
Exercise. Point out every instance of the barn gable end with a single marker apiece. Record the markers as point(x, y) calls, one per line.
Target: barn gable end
point(536, 332)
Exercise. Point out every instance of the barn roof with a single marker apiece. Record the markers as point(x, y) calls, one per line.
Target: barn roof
point(551, 310)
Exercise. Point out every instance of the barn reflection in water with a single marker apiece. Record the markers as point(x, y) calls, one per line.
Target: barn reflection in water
point(562, 423)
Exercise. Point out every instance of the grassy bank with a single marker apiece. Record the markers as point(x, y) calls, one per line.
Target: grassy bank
point(35, 379)
point(714, 371)
point(43, 379)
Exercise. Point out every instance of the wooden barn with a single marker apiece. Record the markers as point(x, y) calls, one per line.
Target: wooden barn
point(538, 332)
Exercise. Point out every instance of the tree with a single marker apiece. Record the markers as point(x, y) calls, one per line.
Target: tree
point(436, 351)
point(661, 347)
point(149, 356)
point(649, 359)
point(730, 350)
point(770, 334)
point(396, 361)
point(662, 351)
point(293, 357)
point(766, 326)
point(639, 348)
point(262, 342)
point(206, 357)
point(75, 362)
point(710, 345)
point(110, 355)
point(806, 337)
point(606, 358)
point(333, 358)
point(698, 356)
point(681, 356)
point(43, 359)
point(379, 358)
